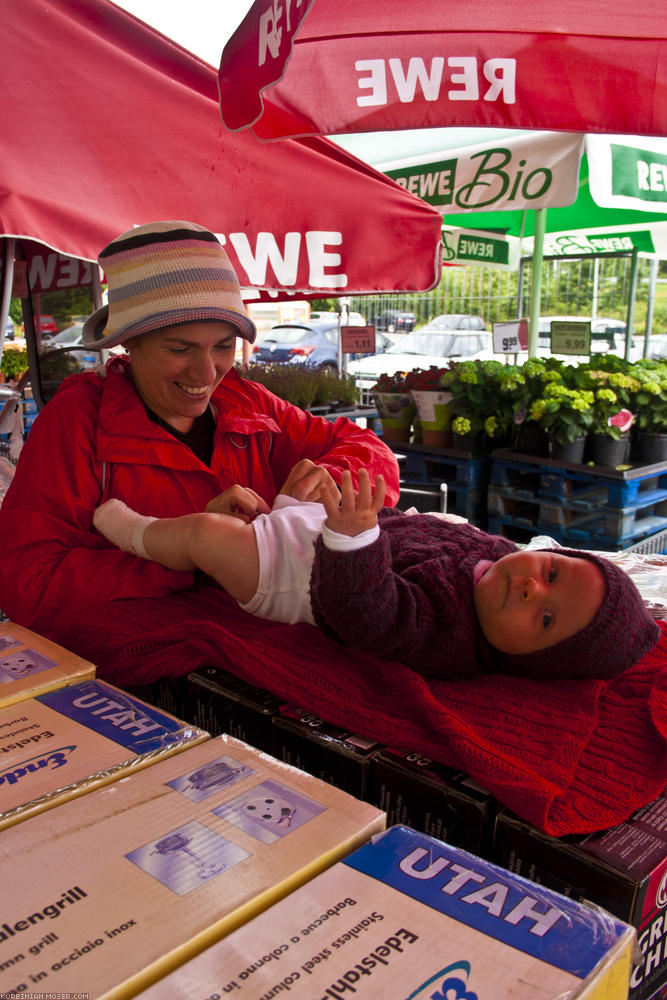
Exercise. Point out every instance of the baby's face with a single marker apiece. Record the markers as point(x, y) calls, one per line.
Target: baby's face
point(529, 600)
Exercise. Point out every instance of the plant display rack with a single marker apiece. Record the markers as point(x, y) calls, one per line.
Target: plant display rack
point(465, 475)
point(587, 507)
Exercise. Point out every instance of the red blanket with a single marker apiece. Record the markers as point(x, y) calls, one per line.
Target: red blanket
point(567, 756)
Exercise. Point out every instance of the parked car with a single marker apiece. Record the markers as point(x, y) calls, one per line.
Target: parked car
point(394, 321)
point(315, 345)
point(72, 336)
point(437, 344)
point(353, 318)
point(9, 329)
point(48, 327)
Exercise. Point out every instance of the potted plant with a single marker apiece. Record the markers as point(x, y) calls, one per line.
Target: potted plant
point(524, 387)
point(478, 418)
point(395, 406)
point(432, 403)
point(566, 414)
point(609, 436)
point(13, 363)
point(304, 387)
point(651, 410)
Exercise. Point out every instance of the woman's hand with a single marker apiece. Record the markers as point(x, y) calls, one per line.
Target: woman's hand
point(239, 501)
point(357, 511)
point(308, 481)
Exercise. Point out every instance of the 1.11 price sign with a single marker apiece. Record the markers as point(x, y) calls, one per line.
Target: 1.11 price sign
point(357, 339)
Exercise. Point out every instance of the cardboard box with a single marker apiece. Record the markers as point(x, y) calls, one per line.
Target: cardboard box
point(65, 742)
point(112, 890)
point(222, 703)
point(418, 792)
point(623, 869)
point(329, 752)
point(30, 664)
point(410, 916)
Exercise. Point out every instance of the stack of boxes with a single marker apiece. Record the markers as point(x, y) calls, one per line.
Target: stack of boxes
point(175, 863)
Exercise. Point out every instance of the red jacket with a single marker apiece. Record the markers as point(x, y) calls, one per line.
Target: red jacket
point(94, 440)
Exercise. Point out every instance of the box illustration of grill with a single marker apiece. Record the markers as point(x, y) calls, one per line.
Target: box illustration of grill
point(30, 664)
point(65, 742)
point(125, 883)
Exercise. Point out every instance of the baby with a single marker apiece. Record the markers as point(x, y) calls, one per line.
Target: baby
point(442, 597)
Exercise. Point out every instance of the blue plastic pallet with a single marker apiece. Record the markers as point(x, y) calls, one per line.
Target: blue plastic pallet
point(566, 481)
point(641, 541)
point(421, 464)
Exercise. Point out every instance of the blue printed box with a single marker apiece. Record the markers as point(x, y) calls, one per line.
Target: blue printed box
point(70, 740)
point(408, 917)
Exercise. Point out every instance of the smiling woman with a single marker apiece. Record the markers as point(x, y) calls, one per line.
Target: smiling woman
point(167, 425)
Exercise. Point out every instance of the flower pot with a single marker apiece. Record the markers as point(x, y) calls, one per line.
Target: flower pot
point(651, 448)
point(570, 451)
point(396, 411)
point(435, 416)
point(436, 439)
point(533, 440)
point(605, 450)
point(475, 442)
point(391, 433)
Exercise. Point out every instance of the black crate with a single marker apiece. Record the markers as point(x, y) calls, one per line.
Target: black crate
point(328, 752)
point(223, 703)
point(434, 799)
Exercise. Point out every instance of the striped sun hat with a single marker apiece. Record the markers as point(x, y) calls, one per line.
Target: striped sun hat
point(161, 275)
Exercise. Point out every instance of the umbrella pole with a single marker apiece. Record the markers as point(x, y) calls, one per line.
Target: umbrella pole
point(631, 303)
point(652, 281)
point(536, 279)
point(6, 293)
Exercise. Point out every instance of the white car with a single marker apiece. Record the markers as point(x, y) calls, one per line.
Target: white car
point(434, 344)
point(607, 337)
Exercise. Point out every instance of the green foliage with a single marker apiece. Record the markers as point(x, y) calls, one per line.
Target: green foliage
point(477, 401)
point(304, 386)
point(651, 396)
point(13, 362)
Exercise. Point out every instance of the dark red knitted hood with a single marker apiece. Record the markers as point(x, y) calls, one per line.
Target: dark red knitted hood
point(619, 635)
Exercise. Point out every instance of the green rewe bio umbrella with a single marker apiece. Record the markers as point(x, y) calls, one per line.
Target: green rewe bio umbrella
point(510, 194)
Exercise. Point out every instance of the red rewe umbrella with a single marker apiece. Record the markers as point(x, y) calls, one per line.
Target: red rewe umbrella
point(334, 66)
point(108, 124)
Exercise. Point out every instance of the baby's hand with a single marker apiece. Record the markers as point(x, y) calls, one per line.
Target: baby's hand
point(357, 511)
point(239, 501)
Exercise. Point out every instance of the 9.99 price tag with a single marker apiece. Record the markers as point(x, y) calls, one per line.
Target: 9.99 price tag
point(570, 337)
point(510, 337)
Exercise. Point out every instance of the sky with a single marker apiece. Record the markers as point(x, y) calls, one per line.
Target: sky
point(203, 26)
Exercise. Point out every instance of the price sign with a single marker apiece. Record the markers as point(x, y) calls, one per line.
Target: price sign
point(357, 339)
point(510, 337)
point(570, 337)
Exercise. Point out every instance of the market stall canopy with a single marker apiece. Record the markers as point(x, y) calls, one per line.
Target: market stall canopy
point(335, 66)
point(604, 194)
point(108, 124)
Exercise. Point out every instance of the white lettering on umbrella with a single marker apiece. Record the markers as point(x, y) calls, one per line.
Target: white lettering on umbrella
point(500, 74)
point(285, 263)
point(319, 259)
point(406, 84)
point(270, 33)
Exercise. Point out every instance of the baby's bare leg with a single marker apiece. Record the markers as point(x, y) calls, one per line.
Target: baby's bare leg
point(221, 545)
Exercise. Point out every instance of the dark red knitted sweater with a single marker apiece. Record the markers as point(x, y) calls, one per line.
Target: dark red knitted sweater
point(409, 595)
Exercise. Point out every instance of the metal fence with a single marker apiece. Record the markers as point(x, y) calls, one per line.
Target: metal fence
point(590, 286)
